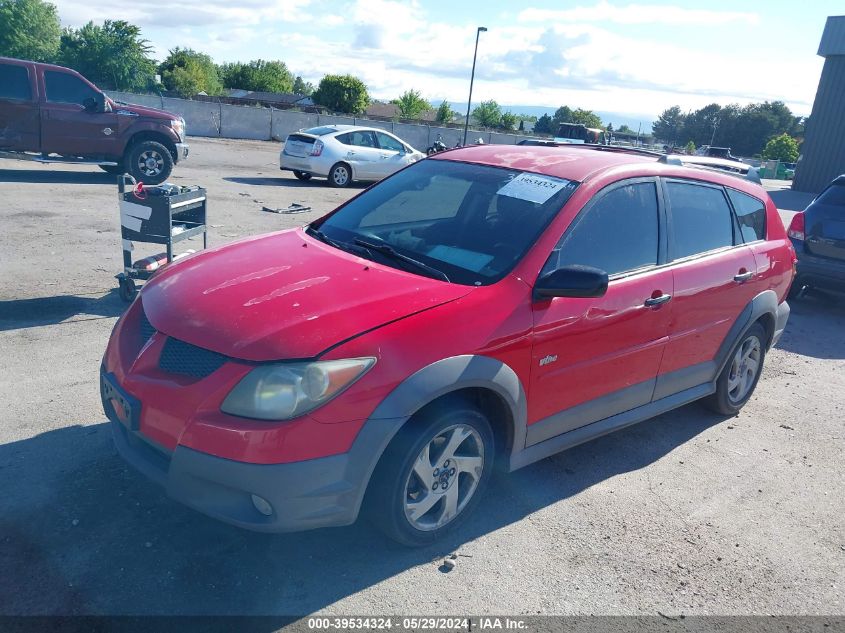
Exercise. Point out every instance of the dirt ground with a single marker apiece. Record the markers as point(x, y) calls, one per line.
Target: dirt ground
point(687, 513)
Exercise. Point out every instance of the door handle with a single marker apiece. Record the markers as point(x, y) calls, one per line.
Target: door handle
point(656, 301)
point(742, 277)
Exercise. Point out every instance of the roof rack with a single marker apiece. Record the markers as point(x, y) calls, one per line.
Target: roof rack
point(719, 165)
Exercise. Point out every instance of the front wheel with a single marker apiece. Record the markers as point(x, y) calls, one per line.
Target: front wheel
point(738, 379)
point(432, 476)
point(340, 175)
point(149, 162)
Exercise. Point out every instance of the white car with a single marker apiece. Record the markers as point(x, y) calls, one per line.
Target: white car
point(343, 153)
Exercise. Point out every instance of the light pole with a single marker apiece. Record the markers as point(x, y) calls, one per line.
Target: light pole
point(471, 79)
point(713, 136)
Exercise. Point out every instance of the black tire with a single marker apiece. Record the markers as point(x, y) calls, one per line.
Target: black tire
point(394, 481)
point(127, 289)
point(115, 170)
point(302, 175)
point(157, 162)
point(729, 400)
point(340, 175)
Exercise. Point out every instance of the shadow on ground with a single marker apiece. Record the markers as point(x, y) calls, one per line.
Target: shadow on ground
point(816, 325)
point(81, 533)
point(24, 313)
point(56, 175)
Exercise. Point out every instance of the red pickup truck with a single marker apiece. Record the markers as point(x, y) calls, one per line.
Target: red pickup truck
point(51, 114)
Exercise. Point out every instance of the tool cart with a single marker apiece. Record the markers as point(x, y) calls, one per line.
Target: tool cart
point(163, 214)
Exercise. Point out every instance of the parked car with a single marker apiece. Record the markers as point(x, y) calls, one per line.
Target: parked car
point(488, 304)
point(344, 153)
point(51, 114)
point(818, 235)
point(717, 152)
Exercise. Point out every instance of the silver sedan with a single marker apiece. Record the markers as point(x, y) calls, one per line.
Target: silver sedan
point(343, 153)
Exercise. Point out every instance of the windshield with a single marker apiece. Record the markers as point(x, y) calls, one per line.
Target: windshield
point(472, 223)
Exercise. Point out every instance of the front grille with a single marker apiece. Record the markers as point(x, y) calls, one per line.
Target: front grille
point(179, 357)
point(147, 329)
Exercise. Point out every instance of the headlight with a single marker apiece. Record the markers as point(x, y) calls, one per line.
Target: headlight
point(287, 390)
point(178, 127)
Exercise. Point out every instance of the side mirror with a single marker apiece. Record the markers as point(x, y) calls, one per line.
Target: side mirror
point(95, 104)
point(90, 104)
point(572, 281)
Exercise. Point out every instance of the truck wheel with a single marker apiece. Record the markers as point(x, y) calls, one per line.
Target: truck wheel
point(149, 162)
point(432, 475)
point(115, 170)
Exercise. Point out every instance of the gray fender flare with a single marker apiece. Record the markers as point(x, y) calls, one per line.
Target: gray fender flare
point(764, 303)
point(424, 386)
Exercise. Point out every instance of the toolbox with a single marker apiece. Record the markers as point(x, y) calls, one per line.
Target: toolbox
point(162, 214)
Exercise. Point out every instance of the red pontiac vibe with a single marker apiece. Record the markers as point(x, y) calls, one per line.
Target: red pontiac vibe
point(493, 304)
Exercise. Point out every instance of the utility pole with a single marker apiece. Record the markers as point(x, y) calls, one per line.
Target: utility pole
point(471, 79)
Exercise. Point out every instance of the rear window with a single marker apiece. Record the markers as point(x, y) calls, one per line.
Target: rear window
point(751, 214)
point(14, 83)
point(320, 131)
point(834, 195)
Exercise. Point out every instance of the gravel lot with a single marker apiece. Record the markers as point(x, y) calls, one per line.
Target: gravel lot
point(688, 513)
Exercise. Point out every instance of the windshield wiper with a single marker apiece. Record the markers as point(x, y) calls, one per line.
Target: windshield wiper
point(388, 250)
point(344, 246)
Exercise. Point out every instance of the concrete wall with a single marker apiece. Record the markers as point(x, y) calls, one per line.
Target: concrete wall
point(248, 122)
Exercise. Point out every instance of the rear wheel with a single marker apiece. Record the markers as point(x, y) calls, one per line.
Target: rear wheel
point(340, 175)
point(149, 162)
point(302, 175)
point(738, 379)
point(432, 476)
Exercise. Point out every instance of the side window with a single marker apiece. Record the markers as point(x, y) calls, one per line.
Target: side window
point(14, 83)
point(360, 138)
point(346, 139)
point(65, 88)
point(701, 219)
point(617, 234)
point(388, 142)
point(751, 214)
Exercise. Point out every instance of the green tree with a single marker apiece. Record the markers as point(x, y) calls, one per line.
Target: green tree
point(508, 121)
point(488, 114)
point(258, 75)
point(342, 93)
point(188, 72)
point(544, 125)
point(783, 148)
point(113, 55)
point(668, 125)
point(690, 148)
point(587, 118)
point(445, 113)
point(29, 29)
point(562, 115)
point(624, 129)
point(302, 87)
point(411, 105)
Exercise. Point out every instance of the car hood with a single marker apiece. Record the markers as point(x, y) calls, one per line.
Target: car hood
point(139, 110)
point(283, 296)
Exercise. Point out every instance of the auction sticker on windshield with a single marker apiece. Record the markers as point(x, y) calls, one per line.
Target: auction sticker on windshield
point(532, 187)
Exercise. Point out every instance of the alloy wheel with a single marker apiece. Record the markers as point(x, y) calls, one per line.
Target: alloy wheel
point(744, 368)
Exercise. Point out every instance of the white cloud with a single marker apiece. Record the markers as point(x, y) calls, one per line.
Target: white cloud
point(638, 14)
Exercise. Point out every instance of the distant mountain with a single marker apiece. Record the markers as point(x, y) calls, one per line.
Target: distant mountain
point(618, 119)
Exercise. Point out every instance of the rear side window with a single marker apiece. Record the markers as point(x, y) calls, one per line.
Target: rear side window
point(701, 219)
point(358, 139)
point(65, 88)
point(617, 234)
point(751, 214)
point(14, 83)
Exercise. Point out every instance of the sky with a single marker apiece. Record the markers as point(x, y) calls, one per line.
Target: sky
point(636, 59)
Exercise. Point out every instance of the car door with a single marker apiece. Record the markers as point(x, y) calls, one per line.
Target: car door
point(595, 357)
point(69, 129)
point(362, 153)
point(394, 154)
point(18, 109)
point(714, 275)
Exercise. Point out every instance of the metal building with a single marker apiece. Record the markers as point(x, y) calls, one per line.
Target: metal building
point(823, 152)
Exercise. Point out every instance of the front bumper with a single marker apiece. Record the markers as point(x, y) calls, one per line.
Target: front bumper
point(181, 152)
point(322, 492)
